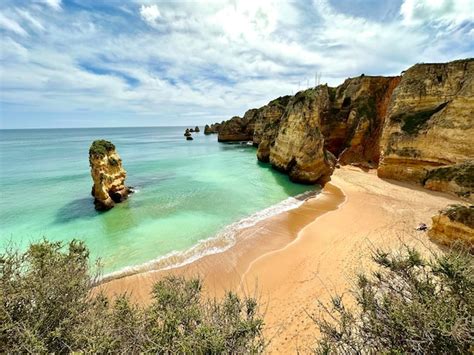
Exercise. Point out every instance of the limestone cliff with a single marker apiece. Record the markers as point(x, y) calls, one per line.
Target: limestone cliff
point(299, 144)
point(108, 175)
point(267, 125)
point(238, 128)
point(428, 136)
point(454, 224)
point(353, 127)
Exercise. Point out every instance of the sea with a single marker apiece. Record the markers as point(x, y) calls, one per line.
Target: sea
point(191, 196)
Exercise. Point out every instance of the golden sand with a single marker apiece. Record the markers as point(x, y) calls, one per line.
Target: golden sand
point(303, 255)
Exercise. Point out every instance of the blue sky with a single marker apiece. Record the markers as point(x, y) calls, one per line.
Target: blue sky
point(91, 63)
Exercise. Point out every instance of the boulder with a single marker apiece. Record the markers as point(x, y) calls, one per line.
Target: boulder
point(108, 175)
point(196, 129)
point(189, 138)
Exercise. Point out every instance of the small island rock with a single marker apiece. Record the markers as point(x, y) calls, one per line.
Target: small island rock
point(108, 175)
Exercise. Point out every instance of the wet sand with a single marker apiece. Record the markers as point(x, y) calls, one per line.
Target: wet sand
point(302, 255)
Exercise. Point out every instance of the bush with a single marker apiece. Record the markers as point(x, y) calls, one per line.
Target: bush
point(409, 305)
point(100, 148)
point(46, 306)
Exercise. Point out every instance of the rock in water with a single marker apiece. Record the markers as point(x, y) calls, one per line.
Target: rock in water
point(429, 130)
point(196, 129)
point(189, 138)
point(454, 224)
point(107, 174)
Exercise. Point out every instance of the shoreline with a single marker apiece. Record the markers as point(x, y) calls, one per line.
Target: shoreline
point(223, 270)
point(298, 257)
point(219, 243)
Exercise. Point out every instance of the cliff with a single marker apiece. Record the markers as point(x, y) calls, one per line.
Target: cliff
point(353, 127)
point(454, 224)
point(298, 148)
point(428, 136)
point(238, 128)
point(416, 127)
point(107, 174)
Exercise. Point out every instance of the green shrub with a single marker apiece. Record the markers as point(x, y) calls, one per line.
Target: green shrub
point(408, 305)
point(100, 148)
point(46, 307)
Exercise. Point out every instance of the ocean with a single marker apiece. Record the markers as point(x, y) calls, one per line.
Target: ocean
point(191, 195)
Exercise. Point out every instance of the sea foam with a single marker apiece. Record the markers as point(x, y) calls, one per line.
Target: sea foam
point(218, 243)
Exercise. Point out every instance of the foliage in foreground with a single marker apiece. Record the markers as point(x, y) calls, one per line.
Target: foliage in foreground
point(46, 306)
point(409, 305)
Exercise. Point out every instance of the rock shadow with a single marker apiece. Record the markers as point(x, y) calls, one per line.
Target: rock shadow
point(82, 208)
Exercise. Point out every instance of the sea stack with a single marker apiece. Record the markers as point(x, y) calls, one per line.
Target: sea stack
point(196, 129)
point(107, 174)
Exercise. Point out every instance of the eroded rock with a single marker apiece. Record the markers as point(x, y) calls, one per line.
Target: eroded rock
point(108, 175)
point(454, 224)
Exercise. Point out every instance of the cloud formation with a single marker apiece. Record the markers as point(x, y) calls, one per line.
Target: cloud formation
point(160, 62)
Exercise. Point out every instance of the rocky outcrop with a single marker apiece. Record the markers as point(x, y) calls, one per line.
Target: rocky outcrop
point(415, 127)
point(187, 133)
point(196, 129)
point(238, 128)
point(353, 127)
point(267, 125)
point(213, 128)
point(454, 224)
point(107, 174)
point(428, 136)
point(299, 148)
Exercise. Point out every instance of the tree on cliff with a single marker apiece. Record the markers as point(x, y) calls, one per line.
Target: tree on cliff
point(408, 305)
point(46, 306)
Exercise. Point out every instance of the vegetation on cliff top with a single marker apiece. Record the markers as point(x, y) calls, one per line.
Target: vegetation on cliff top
point(409, 304)
point(100, 148)
point(46, 307)
point(460, 213)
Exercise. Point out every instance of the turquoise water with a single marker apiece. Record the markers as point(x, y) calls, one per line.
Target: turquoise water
point(188, 191)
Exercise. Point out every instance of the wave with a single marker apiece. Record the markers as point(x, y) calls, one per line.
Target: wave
point(221, 242)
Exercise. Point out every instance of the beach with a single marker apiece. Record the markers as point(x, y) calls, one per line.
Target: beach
point(291, 260)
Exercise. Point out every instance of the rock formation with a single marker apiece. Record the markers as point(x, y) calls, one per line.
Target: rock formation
point(416, 127)
point(196, 129)
point(299, 144)
point(108, 175)
point(454, 224)
point(238, 128)
point(213, 128)
point(428, 136)
point(187, 133)
point(353, 126)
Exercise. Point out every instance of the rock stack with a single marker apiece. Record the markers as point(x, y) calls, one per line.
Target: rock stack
point(107, 174)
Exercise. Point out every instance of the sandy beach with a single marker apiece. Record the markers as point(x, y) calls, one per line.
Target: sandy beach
point(306, 254)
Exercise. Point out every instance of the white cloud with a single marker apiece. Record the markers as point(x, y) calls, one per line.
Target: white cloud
point(11, 25)
point(218, 58)
point(34, 22)
point(416, 12)
point(54, 4)
point(150, 13)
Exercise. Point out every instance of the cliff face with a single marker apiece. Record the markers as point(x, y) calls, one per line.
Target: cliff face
point(417, 127)
point(107, 174)
point(299, 144)
point(353, 127)
point(237, 128)
point(455, 223)
point(428, 136)
point(267, 126)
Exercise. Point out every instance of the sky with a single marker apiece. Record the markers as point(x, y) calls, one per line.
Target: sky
point(92, 63)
